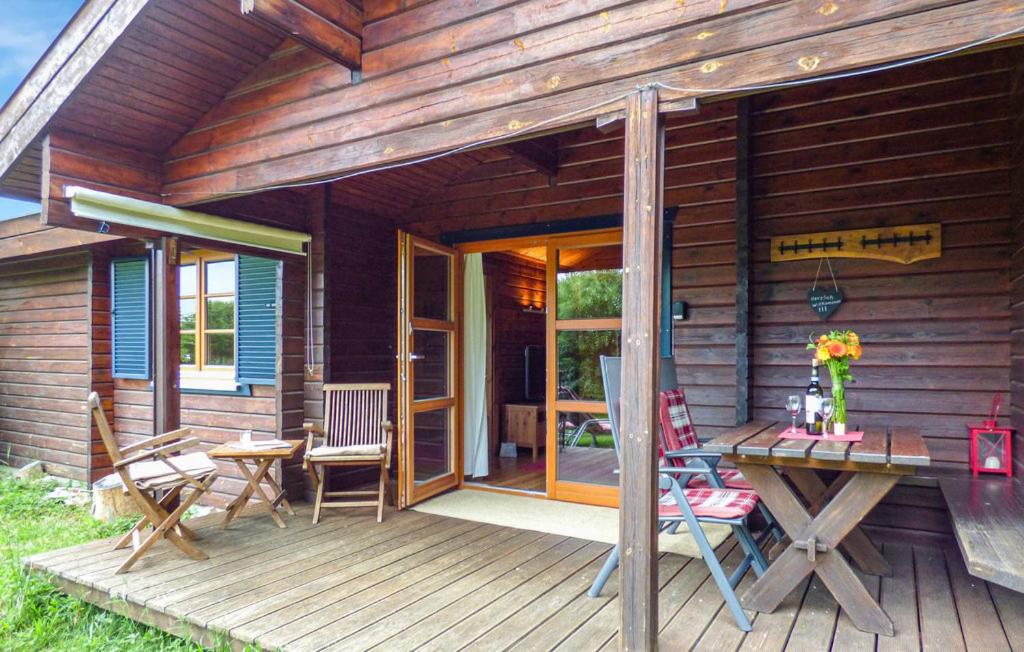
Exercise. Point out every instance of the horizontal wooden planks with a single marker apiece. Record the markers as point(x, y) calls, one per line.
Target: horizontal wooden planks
point(825, 161)
point(291, 155)
point(44, 362)
point(433, 583)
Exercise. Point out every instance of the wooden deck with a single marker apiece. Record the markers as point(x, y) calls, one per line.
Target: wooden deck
point(428, 582)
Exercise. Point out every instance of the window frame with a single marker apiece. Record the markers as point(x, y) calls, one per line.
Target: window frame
point(202, 375)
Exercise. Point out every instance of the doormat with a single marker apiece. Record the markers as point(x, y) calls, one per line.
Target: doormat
point(556, 517)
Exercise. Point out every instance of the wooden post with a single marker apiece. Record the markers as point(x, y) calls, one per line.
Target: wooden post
point(166, 342)
point(641, 298)
point(743, 376)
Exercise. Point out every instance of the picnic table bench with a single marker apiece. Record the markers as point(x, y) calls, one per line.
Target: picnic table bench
point(987, 514)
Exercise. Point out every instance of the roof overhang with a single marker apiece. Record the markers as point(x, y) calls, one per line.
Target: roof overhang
point(67, 62)
point(150, 216)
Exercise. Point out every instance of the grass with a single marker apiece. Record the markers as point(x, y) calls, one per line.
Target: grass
point(34, 615)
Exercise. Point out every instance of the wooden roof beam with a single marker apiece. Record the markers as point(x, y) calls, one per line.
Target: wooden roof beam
point(334, 28)
point(540, 154)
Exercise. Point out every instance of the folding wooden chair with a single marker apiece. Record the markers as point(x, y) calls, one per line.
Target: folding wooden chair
point(693, 506)
point(356, 432)
point(145, 473)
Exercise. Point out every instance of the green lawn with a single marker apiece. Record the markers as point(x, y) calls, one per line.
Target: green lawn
point(33, 614)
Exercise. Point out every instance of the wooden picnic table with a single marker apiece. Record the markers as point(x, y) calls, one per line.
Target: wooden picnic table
point(827, 516)
point(263, 459)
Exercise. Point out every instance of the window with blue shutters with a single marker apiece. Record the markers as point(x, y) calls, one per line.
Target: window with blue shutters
point(130, 317)
point(256, 342)
point(229, 321)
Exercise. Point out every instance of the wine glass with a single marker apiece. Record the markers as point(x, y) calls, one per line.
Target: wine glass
point(793, 404)
point(828, 408)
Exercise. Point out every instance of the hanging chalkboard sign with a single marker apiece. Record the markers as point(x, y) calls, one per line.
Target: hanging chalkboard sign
point(825, 302)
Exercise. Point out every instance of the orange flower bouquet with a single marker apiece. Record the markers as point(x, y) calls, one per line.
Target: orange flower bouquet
point(835, 350)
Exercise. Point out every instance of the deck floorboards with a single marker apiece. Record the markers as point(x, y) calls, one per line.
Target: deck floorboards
point(426, 582)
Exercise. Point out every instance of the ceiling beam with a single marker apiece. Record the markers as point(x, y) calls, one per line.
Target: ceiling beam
point(333, 28)
point(540, 154)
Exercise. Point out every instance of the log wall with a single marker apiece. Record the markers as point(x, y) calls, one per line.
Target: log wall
point(44, 363)
point(923, 144)
point(446, 74)
point(1017, 266)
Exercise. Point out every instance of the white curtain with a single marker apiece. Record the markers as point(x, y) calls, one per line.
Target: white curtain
point(474, 368)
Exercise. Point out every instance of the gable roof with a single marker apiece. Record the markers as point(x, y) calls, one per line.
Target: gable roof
point(135, 73)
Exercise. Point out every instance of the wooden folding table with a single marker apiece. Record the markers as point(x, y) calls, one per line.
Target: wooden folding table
point(263, 459)
point(818, 518)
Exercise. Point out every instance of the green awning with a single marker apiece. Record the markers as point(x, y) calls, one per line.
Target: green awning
point(115, 209)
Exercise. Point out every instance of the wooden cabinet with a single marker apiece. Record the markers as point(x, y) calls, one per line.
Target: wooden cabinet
point(524, 425)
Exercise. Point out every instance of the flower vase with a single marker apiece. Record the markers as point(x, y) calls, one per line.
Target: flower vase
point(839, 398)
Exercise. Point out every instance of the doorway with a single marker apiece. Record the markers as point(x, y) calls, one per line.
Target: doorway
point(550, 306)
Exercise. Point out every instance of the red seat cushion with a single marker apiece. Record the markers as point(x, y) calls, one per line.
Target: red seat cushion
point(732, 478)
point(715, 503)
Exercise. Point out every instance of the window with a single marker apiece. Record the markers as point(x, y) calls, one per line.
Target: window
point(229, 319)
point(207, 288)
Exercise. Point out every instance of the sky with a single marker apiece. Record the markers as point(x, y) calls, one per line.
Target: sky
point(26, 29)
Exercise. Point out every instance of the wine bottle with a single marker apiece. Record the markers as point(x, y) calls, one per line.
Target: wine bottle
point(812, 402)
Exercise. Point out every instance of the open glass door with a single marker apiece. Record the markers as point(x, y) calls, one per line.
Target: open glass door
point(584, 322)
point(428, 459)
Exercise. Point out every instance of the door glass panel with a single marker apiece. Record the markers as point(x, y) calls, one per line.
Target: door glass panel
point(579, 362)
point(430, 285)
point(431, 450)
point(430, 364)
point(589, 282)
point(587, 452)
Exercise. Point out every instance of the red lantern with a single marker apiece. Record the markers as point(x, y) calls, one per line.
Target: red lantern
point(991, 445)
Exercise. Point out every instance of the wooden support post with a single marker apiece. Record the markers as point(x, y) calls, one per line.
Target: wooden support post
point(743, 376)
point(166, 342)
point(641, 251)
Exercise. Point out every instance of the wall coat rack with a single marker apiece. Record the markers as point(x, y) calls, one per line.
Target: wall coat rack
point(902, 244)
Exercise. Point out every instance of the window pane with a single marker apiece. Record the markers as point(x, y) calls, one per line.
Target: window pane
point(220, 313)
point(220, 349)
point(220, 277)
point(431, 445)
point(586, 452)
point(187, 280)
point(430, 367)
point(579, 363)
point(187, 310)
point(430, 279)
point(589, 282)
point(188, 349)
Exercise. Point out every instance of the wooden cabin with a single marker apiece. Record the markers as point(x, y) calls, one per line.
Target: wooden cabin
point(395, 141)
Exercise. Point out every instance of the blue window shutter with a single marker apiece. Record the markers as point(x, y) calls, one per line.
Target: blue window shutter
point(256, 343)
point(129, 293)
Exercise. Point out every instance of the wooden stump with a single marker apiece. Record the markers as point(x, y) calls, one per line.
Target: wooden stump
point(109, 501)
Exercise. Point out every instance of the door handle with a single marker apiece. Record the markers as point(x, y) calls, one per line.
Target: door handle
point(417, 356)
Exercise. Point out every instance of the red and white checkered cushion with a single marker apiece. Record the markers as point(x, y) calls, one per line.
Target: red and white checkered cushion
point(732, 478)
point(716, 503)
point(677, 428)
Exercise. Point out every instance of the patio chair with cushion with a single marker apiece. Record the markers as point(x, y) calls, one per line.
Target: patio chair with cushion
point(680, 504)
point(145, 474)
point(356, 432)
point(678, 436)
